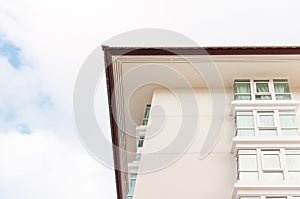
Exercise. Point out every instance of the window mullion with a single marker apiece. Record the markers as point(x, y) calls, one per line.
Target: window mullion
point(255, 120)
point(259, 164)
point(277, 122)
point(284, 165)
point(272, 90)
point(252, 89)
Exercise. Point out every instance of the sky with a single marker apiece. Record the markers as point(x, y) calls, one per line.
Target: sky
point(42, 47)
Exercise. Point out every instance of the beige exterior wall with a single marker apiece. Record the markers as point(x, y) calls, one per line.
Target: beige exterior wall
point(191, 177)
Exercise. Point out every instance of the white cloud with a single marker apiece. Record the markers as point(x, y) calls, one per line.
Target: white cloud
point(40, 165)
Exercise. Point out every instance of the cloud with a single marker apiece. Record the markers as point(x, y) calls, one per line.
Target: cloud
point(41, 165)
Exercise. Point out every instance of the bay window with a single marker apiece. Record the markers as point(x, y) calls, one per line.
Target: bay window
point(268, 164)
point(266, 123)
point(275, 89)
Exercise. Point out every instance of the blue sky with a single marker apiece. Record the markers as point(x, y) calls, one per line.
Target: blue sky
point(42, 47)
point(11, 52)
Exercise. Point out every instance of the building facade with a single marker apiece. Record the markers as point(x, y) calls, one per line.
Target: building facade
point(255, 154)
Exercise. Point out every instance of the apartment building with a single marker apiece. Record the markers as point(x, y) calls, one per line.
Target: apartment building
point(237, 104)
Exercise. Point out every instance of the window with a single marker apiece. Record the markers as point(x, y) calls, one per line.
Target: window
point(272, 168)
point(268, 164)
point(266, 123)
point(141, 141)
point(288, 123)
point(242, 90)
point(277, 89)
point(132, 182)
point(146, 115)
point(247, 165)
point(293, 164)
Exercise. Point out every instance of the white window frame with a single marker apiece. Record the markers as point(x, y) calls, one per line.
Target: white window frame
point(276, 116)
point(260, 161)
point(271, 88)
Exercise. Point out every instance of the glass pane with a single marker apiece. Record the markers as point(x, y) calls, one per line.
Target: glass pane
point(293, 161)
point(296, 197)
point(270, 176)
point(242, 88)
point(247, 162)
point(141, 142)
point(283, 97)
point(266, 120)
point(248, 176)
point(138, 157)
point(245, 132)
point(276, 197)
point(289, 132)
point(242, 97)
point(250, 197)
point(267, 132)
point(147, 111)
point(263, 97)
point(262, 87)
point(247, 151)
point(244, 121)
point(271, 161)
point(294, 176)
point(288, 121)
point(131, 186)
point(281, 88)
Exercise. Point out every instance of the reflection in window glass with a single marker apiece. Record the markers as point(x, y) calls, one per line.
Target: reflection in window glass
point(273, 176)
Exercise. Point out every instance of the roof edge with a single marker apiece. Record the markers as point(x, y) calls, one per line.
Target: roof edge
point(213, 50)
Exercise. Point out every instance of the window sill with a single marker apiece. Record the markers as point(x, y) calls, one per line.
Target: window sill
point(246, 142)
point(240, 105)
point(265, 188)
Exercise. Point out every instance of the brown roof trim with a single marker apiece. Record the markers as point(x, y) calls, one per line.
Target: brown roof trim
point(112, 51)
point(113, 125)
point(242, 50)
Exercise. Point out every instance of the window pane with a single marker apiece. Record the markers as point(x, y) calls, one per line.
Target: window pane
point(247, 162)
point(283, 97)
point(248, 176)
point(289, 132)
point(245, 132)
point(293, 161)
point(250, 197)
point(296, 197)
point(262, 87)
point(131, 186)
point(266, 120)
point(276, 197)
point(267, 132)
point(270, 176)
point(287, 121)
point(141, 142)
point(244, 121)
point(263, 97)
point(247, 151)
point(138, 157)
point(271, 161)
point(281, 88)
point(242, 97)
point(242, 88)
point(294, 176)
